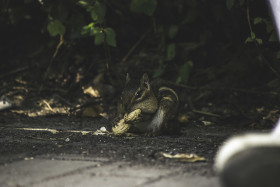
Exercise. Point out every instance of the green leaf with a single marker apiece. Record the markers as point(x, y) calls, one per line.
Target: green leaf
point(143, 6)
point(95, 30)
point(253, 35)
point(90, 29)
point(110, 37)
point(98, 12)
point(159, 71)
point(83, 3)
point(249, 39)
point(257, 20)
point(171, 52)
point(99, 38)
point(55, 27)
point(253, 38)
point(229, 4)
point(173, 29)
point(259, 41)
point(184, 72)
point(87, 28)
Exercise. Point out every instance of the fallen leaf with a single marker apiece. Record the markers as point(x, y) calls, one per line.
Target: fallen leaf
point(91, 91)
point(260, 109)
point(184, 157)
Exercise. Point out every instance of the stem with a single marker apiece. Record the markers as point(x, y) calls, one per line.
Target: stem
point(248, 16)
point(58, 46)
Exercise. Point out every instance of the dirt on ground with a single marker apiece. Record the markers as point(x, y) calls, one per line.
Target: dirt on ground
point(25, 137)
point(48, 122)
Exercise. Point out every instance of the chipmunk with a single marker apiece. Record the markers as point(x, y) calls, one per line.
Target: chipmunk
point(157, 103)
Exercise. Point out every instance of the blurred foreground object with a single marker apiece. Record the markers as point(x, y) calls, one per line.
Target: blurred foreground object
point(250, 160)
point(275, 8)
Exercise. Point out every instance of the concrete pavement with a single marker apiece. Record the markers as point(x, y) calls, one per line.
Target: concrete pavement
point(78, 170)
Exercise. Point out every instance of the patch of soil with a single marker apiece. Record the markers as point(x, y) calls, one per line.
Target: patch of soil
point(21, 138)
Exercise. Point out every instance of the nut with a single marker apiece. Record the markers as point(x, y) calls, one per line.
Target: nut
point(132, 115)
point(122, 126)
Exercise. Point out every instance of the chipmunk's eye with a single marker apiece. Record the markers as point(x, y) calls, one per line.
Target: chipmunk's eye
point(138, 94)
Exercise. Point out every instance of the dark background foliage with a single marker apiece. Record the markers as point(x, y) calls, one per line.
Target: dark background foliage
point(182, 36)
point(196, 45)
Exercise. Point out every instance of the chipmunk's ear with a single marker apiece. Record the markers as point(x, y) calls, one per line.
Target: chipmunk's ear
point(127, 79)
point(145, 80)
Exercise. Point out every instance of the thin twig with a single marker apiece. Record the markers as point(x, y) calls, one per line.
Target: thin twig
point(206, 113)
point(107, 51)
point(58, 46)
point(48, 106)
point(61, 41)
point(248, 17)
point(14, 71)
point(132, 49)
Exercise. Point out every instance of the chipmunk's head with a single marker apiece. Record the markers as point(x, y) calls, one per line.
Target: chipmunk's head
point(137, 94)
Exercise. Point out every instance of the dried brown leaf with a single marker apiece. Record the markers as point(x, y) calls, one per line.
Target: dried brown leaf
point(184, 157)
